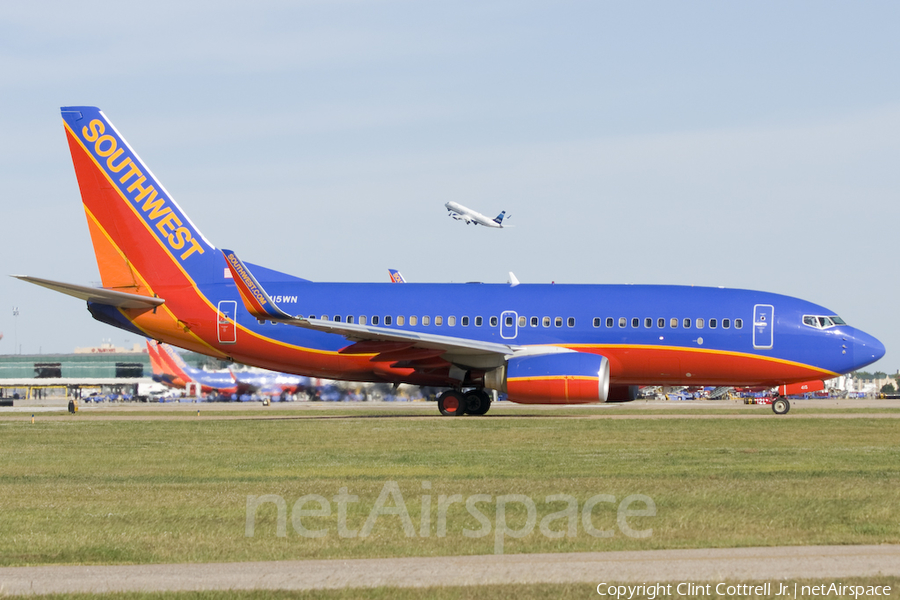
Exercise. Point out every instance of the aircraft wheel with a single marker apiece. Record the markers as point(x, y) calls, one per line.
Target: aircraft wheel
point(780, 406)
point(478, 402)
point(452, 404)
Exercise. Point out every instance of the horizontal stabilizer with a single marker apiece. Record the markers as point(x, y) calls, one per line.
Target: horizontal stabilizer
point(96, 295)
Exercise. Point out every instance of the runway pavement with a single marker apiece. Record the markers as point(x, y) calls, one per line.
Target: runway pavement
point(429, 409)
point(825, 563)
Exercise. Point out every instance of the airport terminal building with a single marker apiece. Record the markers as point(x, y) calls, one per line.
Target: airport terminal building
point(103, 370)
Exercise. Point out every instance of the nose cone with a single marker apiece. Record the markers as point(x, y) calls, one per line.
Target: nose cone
point(866, 349)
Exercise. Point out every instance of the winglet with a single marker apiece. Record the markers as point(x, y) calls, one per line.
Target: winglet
point(513, 282)
point(254, 296)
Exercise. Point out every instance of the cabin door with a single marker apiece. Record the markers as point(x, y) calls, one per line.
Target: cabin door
point(509, 324)
point(763, 321)
point(225, 321)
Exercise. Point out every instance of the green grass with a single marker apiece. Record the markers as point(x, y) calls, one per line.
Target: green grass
point(429, 409)
point(73, 490)
point(495, 592)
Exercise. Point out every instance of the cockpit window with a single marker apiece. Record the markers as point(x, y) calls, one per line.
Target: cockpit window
point(822, 321)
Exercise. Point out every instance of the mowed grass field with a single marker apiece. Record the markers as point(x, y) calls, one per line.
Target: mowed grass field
point(494, 592)
point(81, 490)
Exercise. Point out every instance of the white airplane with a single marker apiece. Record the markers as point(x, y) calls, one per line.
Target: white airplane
point(461, 213)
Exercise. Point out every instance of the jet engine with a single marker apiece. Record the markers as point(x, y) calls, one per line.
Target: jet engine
point(564, 378)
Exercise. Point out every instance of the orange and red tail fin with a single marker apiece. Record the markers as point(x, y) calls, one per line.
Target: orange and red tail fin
point(144, 243)
point(142, 238)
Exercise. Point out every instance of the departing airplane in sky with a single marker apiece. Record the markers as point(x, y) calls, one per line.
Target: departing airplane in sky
point(537, 343)
point(461, 213)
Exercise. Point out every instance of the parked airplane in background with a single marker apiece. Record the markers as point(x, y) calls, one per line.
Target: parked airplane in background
point(174, 370)
point(161, 373)
point(170, 369)
point(461, 213)
point(538, 343)
point(396, 277)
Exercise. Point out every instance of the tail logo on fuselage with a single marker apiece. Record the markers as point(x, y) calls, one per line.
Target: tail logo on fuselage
point(126, 174)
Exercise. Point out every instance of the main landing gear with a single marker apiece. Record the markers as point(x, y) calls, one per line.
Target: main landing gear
point(454, 403)
point(780, 405)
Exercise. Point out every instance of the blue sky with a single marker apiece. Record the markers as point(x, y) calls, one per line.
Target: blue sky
point(748, 145)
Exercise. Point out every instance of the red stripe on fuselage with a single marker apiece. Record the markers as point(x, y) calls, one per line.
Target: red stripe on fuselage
point(644, 365)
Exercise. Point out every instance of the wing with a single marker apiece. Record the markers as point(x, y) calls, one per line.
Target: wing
point(402, 348)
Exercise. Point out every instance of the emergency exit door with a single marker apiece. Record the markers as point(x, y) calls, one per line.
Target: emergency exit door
point(226, 321)
point(763, 322)
point(509, 324)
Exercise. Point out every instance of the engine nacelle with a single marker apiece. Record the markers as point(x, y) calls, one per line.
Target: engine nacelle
point(798, 389)
point(564, 378)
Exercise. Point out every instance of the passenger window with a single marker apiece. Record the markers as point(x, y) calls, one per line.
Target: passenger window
point(726, 323)
point(464, 321)
point(596, 321)
point(570, 322)
point(362, 319)
point(534, 321)
point(426, 321)
point(623, 322)
point(635, 322)
point(661, 323)
point(609, 321)
point(438, 321)
point(413, 320)
point(545, 321)
point(687, 323)
point(324, 317)
point(648, 322)
point(337, 318)
point(522, 321)
point(557, 321)
point(738, 323)
point(401, 320)
point(673, 322)
point(494, 321)
point(349, 318)
point(451, 321)
point(478, 321)
point(713, 323)
point(700, 323)
point(388, 320)
point(375, 320)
